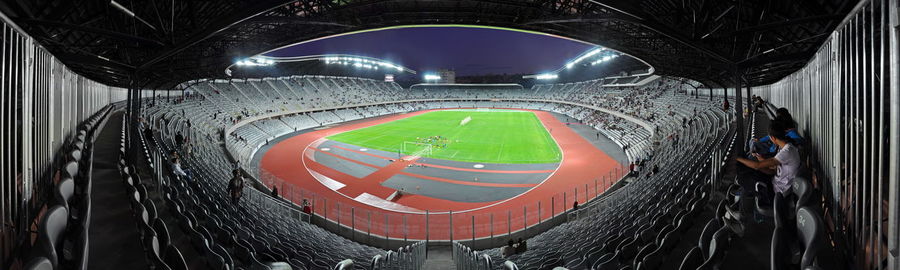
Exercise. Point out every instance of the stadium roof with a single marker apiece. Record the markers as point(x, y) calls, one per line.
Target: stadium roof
point(163, 43)
point(329, 65)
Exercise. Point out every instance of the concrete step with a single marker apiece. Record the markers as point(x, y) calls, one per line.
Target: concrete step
point(440, 257)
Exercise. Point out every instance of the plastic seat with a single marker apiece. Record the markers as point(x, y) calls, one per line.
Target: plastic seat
point(71, 169)
point(779, 257)
point(344, 265)
point(65, 190)
point(175, 260)
point(38, 263)
point(764, 208)
point(803, 191)
point(162, 234)
point(717, 248)
point(706, 236)
point(692, 260)
point(52, 226)
point(810, 230)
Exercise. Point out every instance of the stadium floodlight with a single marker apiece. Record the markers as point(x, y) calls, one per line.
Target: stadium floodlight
point(432, 77)
point(257, 62)
point(547, 76)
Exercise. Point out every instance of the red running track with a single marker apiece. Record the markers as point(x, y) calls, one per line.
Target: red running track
point(584, 172)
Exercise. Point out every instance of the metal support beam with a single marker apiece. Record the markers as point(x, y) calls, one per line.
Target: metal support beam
point(738, 108)
point(894, 138)
point(749, 99)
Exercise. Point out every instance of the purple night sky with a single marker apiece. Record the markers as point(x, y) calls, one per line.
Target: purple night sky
point(469, 51)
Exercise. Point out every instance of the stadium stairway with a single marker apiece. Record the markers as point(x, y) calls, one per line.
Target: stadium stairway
point(114, 240)
point(440, 257)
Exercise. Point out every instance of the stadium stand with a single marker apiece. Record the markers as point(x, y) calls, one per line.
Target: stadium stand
point(83, 151)
point(207, 158)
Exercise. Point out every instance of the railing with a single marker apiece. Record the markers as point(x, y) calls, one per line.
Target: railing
point(487, 226)
point(466, 258)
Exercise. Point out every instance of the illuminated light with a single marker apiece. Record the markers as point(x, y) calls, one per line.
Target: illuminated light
point(432, 77)
point(570, 65)
point(255, 62)
point(547, 76)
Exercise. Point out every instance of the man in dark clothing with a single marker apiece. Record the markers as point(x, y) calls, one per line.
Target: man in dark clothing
point(236, 186)
point(179, 139)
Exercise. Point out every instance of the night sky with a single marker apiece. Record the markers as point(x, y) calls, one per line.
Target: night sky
point(469, 51)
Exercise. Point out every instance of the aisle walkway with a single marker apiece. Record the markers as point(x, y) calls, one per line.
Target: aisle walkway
point(114, 239)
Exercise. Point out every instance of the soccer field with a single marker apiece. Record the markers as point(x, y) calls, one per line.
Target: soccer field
point(495, 136)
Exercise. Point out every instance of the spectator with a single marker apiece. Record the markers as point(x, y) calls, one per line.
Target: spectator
point(509, 249)
point(148, 133)
point(275, 192)
point(521, 247)
point(179, 139)
point(726, 106)
point(765, 147)
point(784, 166)
point(306, 208)
point(182, 173)
point(236, 186)
point(575, 206)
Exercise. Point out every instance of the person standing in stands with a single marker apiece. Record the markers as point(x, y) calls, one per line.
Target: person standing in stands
point(784, 166)
point(306, 208)
point(179, 139)
point(275, 192)
point(521, 247)
point(182, 173)
point(509, 249)
point(236, 186)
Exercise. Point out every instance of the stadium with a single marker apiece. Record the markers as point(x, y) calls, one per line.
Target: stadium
point(450, 134)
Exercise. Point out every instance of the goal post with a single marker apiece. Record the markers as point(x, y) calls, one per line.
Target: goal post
point(416, 149)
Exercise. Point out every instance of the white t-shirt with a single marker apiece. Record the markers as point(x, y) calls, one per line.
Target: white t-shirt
point(789, 158)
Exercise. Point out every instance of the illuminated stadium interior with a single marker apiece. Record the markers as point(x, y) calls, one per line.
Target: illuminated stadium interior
point(446, 134)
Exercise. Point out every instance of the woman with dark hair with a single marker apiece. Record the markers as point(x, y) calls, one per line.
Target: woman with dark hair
point(764, 146)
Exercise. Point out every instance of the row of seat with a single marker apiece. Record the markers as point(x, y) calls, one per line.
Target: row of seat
point(255, 233)
point(154, 233)
point(609, 234)
point(62, 241)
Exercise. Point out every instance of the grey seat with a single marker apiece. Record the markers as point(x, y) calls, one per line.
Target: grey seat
point(803, 191)
point(65, 189)
point(810, 230)
point(692, 260)
point(174, 259)
point(71, 169)
point(779, 256)
point(38, 263)
point(763, 208)
point(717, 248)
point(52, 226)
point(706, 236)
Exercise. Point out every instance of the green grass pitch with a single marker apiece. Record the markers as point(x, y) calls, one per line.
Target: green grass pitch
point(493, 136)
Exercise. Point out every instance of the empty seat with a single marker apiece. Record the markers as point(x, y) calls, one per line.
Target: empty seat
point(762, 207)
point(810, 230)
point(50, 233)
point(692, 260)
point(38, 263)
point(803, 191)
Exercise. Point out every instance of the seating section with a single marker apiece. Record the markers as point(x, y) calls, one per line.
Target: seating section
point(622, 237)
point(257, 233)
point(62, 236)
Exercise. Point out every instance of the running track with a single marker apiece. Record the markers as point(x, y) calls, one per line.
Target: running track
point(581, 170)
